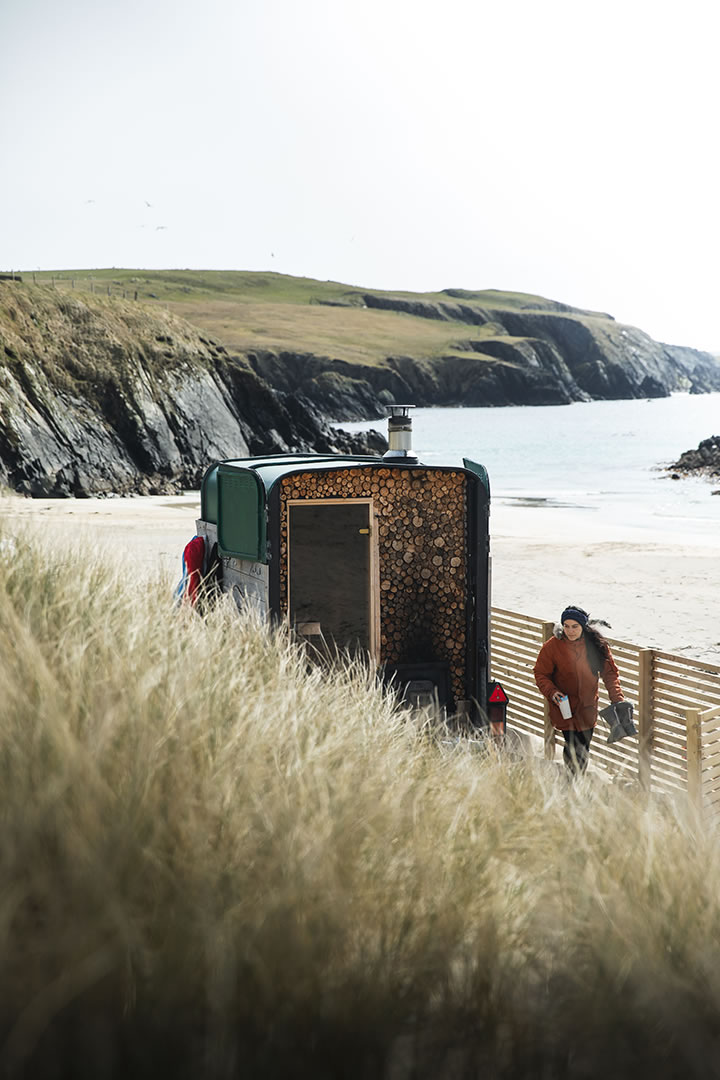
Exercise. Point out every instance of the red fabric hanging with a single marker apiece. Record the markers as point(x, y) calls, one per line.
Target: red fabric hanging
point(193, 555)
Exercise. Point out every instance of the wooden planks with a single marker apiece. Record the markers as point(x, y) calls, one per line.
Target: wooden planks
point(420, 517)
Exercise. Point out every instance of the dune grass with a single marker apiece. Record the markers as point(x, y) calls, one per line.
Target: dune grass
point(219, 861)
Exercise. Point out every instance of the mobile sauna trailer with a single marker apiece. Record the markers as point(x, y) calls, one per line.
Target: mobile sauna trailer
point(388, 555)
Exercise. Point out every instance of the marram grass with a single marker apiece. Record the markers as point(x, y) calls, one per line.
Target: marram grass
point(219, 861)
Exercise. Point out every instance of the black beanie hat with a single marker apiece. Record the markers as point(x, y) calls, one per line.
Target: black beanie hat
point(575, 613)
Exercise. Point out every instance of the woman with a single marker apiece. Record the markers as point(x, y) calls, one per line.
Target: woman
point(572, 663)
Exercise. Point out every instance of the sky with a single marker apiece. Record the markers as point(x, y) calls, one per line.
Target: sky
point(567, 148)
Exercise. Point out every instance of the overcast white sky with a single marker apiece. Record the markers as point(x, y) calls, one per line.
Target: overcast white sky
point(561, 147)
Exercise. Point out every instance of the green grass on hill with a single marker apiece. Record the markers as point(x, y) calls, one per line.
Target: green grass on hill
point(356, 335)
point(249, 286)
point(246, 311)
point(218, 861)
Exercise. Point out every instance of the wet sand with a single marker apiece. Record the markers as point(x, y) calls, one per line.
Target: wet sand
point(654, 588)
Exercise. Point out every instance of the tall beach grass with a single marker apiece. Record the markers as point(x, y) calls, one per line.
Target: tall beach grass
point(217, 860)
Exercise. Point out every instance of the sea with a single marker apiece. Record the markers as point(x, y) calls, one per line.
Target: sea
point(598, 458)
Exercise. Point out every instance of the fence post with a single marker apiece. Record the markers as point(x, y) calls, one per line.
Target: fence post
point(547, 633)
point(694, 757)
point(645, 717)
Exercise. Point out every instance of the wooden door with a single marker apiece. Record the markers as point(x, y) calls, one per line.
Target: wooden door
point(332, 572)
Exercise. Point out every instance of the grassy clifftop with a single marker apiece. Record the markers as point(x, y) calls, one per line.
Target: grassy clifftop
point(248, 310)
point(83, 340)
point(352, 349)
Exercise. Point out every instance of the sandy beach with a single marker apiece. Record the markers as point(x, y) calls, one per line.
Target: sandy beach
point(654, 588)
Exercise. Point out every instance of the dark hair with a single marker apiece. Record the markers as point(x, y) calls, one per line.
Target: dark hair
point(597, 649)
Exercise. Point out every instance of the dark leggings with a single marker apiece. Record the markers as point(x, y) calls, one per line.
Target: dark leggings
point(577, 748)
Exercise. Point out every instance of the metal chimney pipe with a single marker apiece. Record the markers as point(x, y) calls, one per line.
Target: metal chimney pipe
point(400, 433)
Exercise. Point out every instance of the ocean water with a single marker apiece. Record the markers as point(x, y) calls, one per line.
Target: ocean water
point(593, 458)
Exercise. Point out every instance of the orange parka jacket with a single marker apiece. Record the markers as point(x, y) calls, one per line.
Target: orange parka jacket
point(563, 665)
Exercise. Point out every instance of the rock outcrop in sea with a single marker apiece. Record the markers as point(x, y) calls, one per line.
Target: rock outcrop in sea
point(705, 461)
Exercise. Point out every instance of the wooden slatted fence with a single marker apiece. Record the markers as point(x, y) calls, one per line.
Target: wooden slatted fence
point(677, 709)
point(710, 761)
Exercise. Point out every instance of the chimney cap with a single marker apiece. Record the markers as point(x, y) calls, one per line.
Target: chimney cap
point(399, 434)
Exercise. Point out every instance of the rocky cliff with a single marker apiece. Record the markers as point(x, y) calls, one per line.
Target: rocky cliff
point(533, 354)
point(102, 396)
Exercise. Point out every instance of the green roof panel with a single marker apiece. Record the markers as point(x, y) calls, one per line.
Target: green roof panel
point(479, 470)
point(241, 514)
point(209, 495)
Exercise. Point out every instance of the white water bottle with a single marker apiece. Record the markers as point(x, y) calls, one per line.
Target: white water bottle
point(565, 710)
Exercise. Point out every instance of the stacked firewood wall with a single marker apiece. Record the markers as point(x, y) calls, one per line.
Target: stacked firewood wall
point(421, 521)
